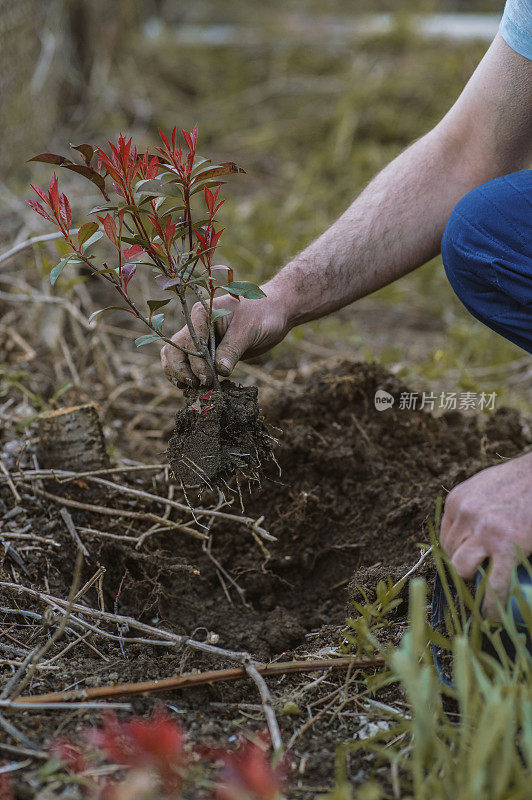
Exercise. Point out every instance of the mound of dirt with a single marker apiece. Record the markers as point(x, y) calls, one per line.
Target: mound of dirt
point(356, 490)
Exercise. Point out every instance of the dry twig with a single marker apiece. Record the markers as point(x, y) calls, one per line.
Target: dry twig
point(30, 662)
point(201, 679)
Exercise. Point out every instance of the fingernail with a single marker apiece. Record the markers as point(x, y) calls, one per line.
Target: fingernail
point(202, 379)
point(225, 366)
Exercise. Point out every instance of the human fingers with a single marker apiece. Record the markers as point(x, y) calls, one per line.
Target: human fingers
point(468, 558)
point(238, 337)
point(498, 586)
point(175, 362)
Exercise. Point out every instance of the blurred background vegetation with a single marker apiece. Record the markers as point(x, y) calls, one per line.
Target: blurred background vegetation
point(312, 97)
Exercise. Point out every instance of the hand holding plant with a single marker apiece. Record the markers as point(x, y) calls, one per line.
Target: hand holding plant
point(154, 223)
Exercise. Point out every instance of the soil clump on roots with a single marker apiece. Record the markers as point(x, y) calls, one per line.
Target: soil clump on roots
point(219, 434)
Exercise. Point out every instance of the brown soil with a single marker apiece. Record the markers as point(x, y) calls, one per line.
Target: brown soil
point(218, 435)
point(355, 493)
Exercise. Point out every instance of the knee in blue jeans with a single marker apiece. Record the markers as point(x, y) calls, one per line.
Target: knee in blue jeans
point(487, 255)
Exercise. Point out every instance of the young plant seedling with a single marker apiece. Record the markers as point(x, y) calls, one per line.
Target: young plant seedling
point(164, 219)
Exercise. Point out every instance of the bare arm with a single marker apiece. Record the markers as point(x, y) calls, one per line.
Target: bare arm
point(397, 222)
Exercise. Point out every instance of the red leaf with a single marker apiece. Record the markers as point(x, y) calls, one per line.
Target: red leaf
point(86, 150)
point(6, 792)
point(39, 209)
point(156, 225)
point(110, 228)
point(249, 773)
point(70, 754)
point(169, 233)
point(133, 251)
point(164, 139)
point(64, 210)
point(201, 239)
point(51, 158)
point(42, 195)
point(53, 193)
point(153, 168)
point(188, 140)
point(215, 237)
point(90, 174)
point(128, 270)
point(209, 198)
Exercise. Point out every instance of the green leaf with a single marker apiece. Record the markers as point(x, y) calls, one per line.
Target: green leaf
point(58, 269)
point(50, 767)
point(95, 237)
point(100, 209)
point(144, 243)
point(157, 321)
point(244, 288)
point(225, 168)
point(197, 282)
point(218, 313)
point(107, 308)
point(172, 209)
point(200, 163)
point(146, 339)
point(86, 150)
point(154, 305)
point(86, 231)
point(199, 187)
point(157, 188)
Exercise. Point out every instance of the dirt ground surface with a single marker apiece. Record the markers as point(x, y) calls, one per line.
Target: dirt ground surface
point(350, 505)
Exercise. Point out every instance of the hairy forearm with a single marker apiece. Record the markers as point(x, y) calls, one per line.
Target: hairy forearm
point(397, 222)
point(394, 226)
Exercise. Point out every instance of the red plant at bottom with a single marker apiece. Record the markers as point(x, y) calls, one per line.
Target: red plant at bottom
point(247, 773)
point(5, 788)
point(155, 754)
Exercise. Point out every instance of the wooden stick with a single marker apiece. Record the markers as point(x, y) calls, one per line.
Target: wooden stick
point(119, 512)
point(71, 528)
point(47, 237)
point(63, 476)
point(200, 679)
point(10, 483)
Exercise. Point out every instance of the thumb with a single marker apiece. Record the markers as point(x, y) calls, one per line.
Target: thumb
point(231, 349)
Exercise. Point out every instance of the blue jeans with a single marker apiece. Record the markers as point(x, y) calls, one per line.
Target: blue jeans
point(487, 255)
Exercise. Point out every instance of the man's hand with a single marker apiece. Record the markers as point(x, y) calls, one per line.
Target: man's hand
point(490, 516)
point(252, 328)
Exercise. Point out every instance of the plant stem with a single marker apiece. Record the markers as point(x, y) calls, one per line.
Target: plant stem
point(205, 353)
point(134, 308)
